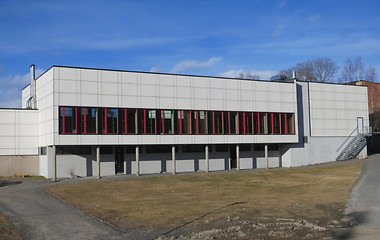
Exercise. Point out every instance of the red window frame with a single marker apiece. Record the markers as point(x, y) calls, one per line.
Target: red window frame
point(75, 109)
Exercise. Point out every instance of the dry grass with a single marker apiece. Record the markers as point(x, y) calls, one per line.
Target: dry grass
point(316, 193)
point(7, 229)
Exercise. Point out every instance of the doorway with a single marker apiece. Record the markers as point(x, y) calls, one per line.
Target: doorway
point(360, 125)
point(233, 162)
point(119, 160)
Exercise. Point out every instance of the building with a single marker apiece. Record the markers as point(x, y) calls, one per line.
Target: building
point(98, 122)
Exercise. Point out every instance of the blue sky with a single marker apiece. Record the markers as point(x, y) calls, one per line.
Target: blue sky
point(215, 38)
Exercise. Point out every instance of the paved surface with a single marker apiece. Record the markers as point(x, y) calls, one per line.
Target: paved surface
point(41, 216)
point(364, 202)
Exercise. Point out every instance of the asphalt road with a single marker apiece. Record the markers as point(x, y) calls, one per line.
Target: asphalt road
point(364, 202)
point(41, 216)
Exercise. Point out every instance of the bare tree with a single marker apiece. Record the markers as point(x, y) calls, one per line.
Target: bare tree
point(324, 69)
point(352, 70)
point(370, 74)
point(316, 70)
point(249, 75)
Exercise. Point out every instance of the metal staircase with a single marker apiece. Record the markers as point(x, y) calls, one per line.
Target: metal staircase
point(356, 145)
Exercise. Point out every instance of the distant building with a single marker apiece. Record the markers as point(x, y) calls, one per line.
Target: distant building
point(373, 94)
point(89, 122)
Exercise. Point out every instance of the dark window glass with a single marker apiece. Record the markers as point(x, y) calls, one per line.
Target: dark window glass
point(185, 121)
point(167, 120)
point(290, 123)
point(43, 150)
point(112, 123)
point(244, 147)
point(150, 121)
point(276, 123)
point(221, 147)
point(218, 122)
point(241, 124)
point(68, 120)
point(259, 147)
point(256, 123)
point(132, 120)
point(202, 122)
point(89, 120)
point(270, 126)
point(263, 123)
point(193, 148)
point(159, 149)
point(248, 123)
point(106, 150)
point(283, 125)
point(234, 123)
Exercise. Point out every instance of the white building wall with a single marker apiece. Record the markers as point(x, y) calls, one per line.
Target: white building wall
point(327, 116)
point(105, 88)
point(18, 132)
point(334, 109)
point(25, 95)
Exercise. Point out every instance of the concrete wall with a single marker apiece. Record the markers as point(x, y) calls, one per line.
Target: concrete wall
point(18, 132)
point(334, 109)
point(25, 164)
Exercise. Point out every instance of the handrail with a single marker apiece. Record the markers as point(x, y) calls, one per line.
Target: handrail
point(347, 138)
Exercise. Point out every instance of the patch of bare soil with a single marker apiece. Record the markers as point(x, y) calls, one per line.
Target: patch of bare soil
point(8, 230)
point(335, 226)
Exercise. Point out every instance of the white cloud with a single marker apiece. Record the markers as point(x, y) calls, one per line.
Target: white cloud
point(263, 74)
point(155, 69)
point(281, 4)
point(10, 89)
point(194, 65)
point(278, 30)
point(314, 18)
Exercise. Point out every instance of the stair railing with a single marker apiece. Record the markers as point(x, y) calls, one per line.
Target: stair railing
point(347, 139)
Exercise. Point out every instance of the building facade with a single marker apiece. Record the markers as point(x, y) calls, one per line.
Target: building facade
point(97, 122)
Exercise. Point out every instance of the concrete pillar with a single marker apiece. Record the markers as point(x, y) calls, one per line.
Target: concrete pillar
point(207, 159)
point(237, 157)
point(173, 160)
point(266, 156)
point(137, 161)
point(54, 163)
point(98, 160)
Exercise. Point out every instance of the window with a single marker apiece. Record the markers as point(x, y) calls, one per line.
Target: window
point(167, 121)
point(132, 120)
point(221, 148)
point(159, 149)
point(78, 150)
point(184, 125)
point(110, 121)
point(290, 123)
point(276, 123)
point(234, 122)
point(68, 121)
point(244, 147)
point(43, 151)
point(149, 123)
point(193, 148)
point(89, 120)
point(263, 123)
point(218, 123)
point(248, 123)
point(106, 150)
point(200, 120)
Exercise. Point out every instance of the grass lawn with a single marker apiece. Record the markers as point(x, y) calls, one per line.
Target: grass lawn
point(316, 194)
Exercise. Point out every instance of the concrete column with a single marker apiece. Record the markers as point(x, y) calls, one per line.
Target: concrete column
point(207, 159)
point(266, 156)
point(137, 161)
point(237, 157)
point(54, 163)
point(98, 160)
point(173, 160)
